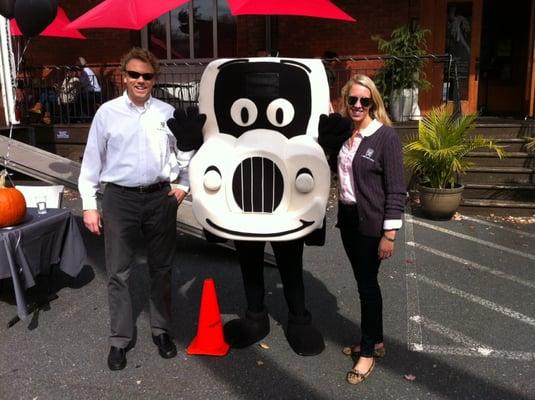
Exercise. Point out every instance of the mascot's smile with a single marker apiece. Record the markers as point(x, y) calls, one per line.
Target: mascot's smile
point(304, 224)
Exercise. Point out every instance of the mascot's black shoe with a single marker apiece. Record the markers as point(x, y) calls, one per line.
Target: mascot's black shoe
point(243, 332)
point(302, 336)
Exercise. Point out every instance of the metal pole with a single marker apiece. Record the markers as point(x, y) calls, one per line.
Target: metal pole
point(8, 76)
point(268, 34)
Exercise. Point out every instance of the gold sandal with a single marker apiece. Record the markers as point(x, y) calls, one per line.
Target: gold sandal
point(354, 351)
point(355, 377)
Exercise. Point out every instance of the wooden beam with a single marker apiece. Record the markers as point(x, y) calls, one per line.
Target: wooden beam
point(530, 76)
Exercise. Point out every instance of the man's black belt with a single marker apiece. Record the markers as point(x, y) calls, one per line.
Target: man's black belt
point(143, 189)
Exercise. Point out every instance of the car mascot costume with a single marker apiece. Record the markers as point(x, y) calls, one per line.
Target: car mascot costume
point(261, 176)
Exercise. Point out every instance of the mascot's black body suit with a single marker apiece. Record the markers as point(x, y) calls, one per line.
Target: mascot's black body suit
point(261, 176)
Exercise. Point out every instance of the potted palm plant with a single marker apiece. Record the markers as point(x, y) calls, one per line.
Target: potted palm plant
point(437, 157)
point(402, 74)
point(530, 143)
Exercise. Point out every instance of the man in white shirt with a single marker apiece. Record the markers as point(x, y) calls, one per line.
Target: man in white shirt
point(91, 95)
point(131, 152)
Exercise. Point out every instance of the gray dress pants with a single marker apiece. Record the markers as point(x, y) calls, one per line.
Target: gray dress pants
point(126, 214)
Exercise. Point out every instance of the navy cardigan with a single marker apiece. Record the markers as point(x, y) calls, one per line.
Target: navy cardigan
point(379, 180)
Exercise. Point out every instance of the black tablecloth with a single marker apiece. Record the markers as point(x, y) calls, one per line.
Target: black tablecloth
point(32, 247)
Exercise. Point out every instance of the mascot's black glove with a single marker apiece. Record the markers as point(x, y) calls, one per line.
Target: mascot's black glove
point(333, 131)
point(187, 128)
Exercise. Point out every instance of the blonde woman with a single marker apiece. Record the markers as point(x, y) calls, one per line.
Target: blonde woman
point(371, 199)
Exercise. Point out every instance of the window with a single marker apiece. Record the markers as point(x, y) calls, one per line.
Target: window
point(198, 29)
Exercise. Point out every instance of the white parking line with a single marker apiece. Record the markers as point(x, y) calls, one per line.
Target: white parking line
point(470, 347)
point(472, 264)
point(414, 329)
point(415, 322)
point(497, 226)
point(463, 351)
point(478, 300)
point(452, 334)
point(473, 239)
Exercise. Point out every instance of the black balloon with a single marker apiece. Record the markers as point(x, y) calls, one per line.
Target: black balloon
point(33, 16)
point(7, 8)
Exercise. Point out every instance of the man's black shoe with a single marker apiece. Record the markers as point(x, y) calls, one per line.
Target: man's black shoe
point(166, 347)
point(116, 358)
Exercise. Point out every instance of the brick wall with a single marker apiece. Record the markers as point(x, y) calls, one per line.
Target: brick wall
point(309, 37)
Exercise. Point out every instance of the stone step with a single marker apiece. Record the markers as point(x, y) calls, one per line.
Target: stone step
point(504, 129)
point(512, 159)
point(499, 175)
point(528, 207)
point(509, 144)
point(512, 192)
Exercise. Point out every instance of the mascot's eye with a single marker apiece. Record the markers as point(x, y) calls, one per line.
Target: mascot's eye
point(280, 112)
point(243, 112)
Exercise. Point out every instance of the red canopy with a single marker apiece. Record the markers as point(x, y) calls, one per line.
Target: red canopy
point(135, 14)
point(58, 27)
point(124, 14)
point(307, 8)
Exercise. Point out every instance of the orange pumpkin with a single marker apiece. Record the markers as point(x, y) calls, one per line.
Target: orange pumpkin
point(12, 205)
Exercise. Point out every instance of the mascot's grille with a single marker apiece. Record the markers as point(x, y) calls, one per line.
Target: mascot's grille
point(257, 185)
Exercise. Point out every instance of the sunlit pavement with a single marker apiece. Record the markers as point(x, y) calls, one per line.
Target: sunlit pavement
point(459, 322)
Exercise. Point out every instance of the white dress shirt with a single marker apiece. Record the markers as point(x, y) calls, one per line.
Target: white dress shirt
point(131, 146)
point(346, 186)
point(89, 81)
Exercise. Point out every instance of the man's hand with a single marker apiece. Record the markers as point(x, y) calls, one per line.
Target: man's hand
point(178, 193)
point(187, 128)
point(92, 221)
point(333, 131)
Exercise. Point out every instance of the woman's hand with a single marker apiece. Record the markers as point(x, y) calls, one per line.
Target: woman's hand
point(386, 245)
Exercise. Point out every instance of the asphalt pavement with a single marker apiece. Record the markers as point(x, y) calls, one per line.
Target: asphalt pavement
point(459, 323)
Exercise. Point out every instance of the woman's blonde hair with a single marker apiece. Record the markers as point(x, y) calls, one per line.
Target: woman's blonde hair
point(377, 109)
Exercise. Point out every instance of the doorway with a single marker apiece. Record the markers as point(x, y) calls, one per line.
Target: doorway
point(504, 61)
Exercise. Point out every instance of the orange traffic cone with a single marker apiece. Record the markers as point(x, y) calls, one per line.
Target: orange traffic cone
point(209, 340)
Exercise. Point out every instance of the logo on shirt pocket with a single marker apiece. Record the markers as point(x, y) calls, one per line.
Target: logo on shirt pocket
point(368, 155)
point(162, 126)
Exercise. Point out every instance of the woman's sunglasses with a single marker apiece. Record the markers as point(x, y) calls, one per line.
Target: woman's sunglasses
point(364, 101)
point(135, 75)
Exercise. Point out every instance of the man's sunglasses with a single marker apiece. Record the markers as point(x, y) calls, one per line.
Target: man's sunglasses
point(135, 75)
point(364, 101)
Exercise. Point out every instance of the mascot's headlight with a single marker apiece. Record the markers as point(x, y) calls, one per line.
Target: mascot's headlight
point(304, 181)
point(212, 179)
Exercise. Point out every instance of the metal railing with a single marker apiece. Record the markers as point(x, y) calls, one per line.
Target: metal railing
point(43, 94)
point(439, 70)
point(56, 95)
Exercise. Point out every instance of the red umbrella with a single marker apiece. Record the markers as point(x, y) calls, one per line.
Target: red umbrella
point(135, 14)
point(307, 8)
point(124, 14)
point(58, 27)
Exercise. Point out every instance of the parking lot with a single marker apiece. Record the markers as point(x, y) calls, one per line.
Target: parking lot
point(459, 314)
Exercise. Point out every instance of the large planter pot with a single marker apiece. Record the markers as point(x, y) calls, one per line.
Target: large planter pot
point(404, 105)
point(440, 203)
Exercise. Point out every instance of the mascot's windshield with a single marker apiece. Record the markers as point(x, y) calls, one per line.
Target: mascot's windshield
point(263, 95)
